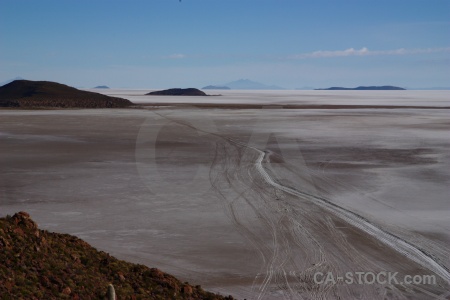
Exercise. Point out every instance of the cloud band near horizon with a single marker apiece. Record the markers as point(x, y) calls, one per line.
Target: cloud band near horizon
point(328, 53)
point(366, 52)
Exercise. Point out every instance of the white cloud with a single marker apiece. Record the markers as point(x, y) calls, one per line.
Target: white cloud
point(366, 52)
point(347, 52)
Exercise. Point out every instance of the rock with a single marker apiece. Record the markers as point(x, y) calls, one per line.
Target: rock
point(76, 258)
point(121, 276)
point(4, 243)
point(66, 291)
point(18, 231)
point(187, 289)
point(45, 281)
point(23, 219)
point(42, 241)
point(156, 273)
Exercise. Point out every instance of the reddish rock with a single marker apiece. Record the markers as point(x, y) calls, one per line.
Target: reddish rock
point(42, 241)
point(23, 214)
point(4, 242)
point(9, 285)
point(45, 281)
point(187, 289)
point(157, 273)
point(121, 276)
point(66, 291)
point(18, 231)
point(75, 258)
point(23, 219)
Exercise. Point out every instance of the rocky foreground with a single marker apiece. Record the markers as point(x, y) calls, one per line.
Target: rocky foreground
point(37, 264)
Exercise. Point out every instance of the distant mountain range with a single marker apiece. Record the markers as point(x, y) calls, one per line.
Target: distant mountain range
point(101, 87)
point(365, 88)
point(215, 87)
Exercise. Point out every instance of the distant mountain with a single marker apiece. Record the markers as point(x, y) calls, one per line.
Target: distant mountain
point(178, 92)
point(10, 80)
point(365, 88)
point(246, 84)
point(215, 87)
point(27, 93)
point(101, 87)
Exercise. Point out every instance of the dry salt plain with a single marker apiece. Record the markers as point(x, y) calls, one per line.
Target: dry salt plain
point(250, 202)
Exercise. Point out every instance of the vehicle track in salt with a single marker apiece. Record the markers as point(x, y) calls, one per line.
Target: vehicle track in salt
point(296, 233)
point(391, 240)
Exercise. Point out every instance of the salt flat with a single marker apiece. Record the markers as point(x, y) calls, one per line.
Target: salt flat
point(178, 188)
point(278, 97)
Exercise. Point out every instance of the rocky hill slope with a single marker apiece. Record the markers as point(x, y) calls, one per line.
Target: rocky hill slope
point(37, 264)
point(26, 93)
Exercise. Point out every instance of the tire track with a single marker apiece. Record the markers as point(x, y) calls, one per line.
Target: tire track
point(358, 221)
point(260, 195)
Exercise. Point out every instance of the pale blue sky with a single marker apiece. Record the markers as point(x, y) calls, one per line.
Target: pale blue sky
point(167, 43)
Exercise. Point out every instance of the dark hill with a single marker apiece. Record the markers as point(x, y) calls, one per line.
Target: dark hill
point(365, 88)
point(26, 93)
point(37, 264)
point(178, 92)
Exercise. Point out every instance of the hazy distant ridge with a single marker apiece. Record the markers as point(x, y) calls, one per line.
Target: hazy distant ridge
point(365, 88)
point(215, 87)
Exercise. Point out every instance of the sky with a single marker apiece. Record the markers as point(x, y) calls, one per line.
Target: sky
point(193, 43)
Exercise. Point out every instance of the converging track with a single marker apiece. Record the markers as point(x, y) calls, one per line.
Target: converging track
point(297, 234)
